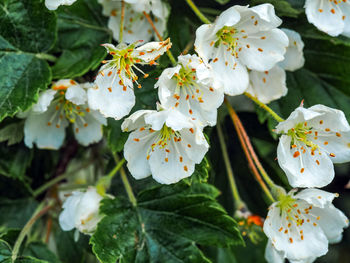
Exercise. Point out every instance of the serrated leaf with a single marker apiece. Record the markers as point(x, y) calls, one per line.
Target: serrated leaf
point(165, 226)
point(14, 161)
point(12, 133)
point(81, 31)
point(27, 29)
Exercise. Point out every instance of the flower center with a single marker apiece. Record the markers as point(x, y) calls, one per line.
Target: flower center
point(301, 133)
point(187, 85)
point(228, 37)
point(66, 109)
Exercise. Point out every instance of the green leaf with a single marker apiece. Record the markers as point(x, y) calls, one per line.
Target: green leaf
point(27, 29)
point(14, 161)
point(115, 137)
point(81, 31)
point(5, 250)
point(68, 249)
point(283, 7)
point(16, 213)
point(165, 226)
point(26, 25)
point(40, 250)
point(6, 253)
point(12, 133)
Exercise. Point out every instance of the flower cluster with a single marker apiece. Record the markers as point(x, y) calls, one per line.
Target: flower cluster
point(242, 51)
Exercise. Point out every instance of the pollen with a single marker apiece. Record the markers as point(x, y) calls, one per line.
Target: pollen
point(136, 139)
point(260, 49)
point(181, 159)
point(338, 134)
point(110, 89)
point(291, 240)
point(332, 155)
point(296, 154)
point(302, 170)
point(185, 168)
point(49, 124)
point(189, 145)
point(166, 159)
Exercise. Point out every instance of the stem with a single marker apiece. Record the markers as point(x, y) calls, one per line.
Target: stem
point(198, 12)
point(229, 171)
point(126, 183)
point(57, 179)
point(265, 107)
point(246, 151)
point(116, 168)
point(121, 30)
point(168, 52)
point(45, 56)
point(39, 212)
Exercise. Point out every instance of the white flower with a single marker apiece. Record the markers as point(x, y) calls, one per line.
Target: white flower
point(271, 85)
point(268, 85)
point(331, 17)
point(81, 211)
point(163, 143)
point(294, 56)
point(136, 27)
point(64, 103)
point(54, 4)
point(241, 38)
point(301, 226)
point(313, 139)
point(113, 94)
point(190, 88)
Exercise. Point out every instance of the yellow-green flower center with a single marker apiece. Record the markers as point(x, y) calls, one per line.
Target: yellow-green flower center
point(227, 36)
point(301, 133)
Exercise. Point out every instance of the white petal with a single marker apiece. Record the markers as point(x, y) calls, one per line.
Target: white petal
point(258, 18)
point(136, 26)
point(67, 216)
point(135, 120)
point(109, 97)
point(44, 100)
point(345, 7)
point(299, 115)
point(204, 43)
point(262, 50)
point(38, 129)
point(54, 4)
point(316, 197)
point(313, 244)
point(332, 221)
point(168, 168)
point(87, 212)
point(269, 85)
point(136, 150)
point(272, 255)
point(76, 94)
point(229, 17)
point(194, 143)
point(152, 50)
point(303, 167)
point(89, 129)
point(230, 72)
point(325, 15)
point(294, 57)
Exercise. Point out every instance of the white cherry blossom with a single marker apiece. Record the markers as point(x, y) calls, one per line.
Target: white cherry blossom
point(271, 84)
point(190, 88)
point(136, 27)
point(81, 211)
point(312, 140)
point(54, 4)
point(300, 226)
point(113, 94)
point(64, 103)
point(331, 17)
point(164, 143)
point(241, 38)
